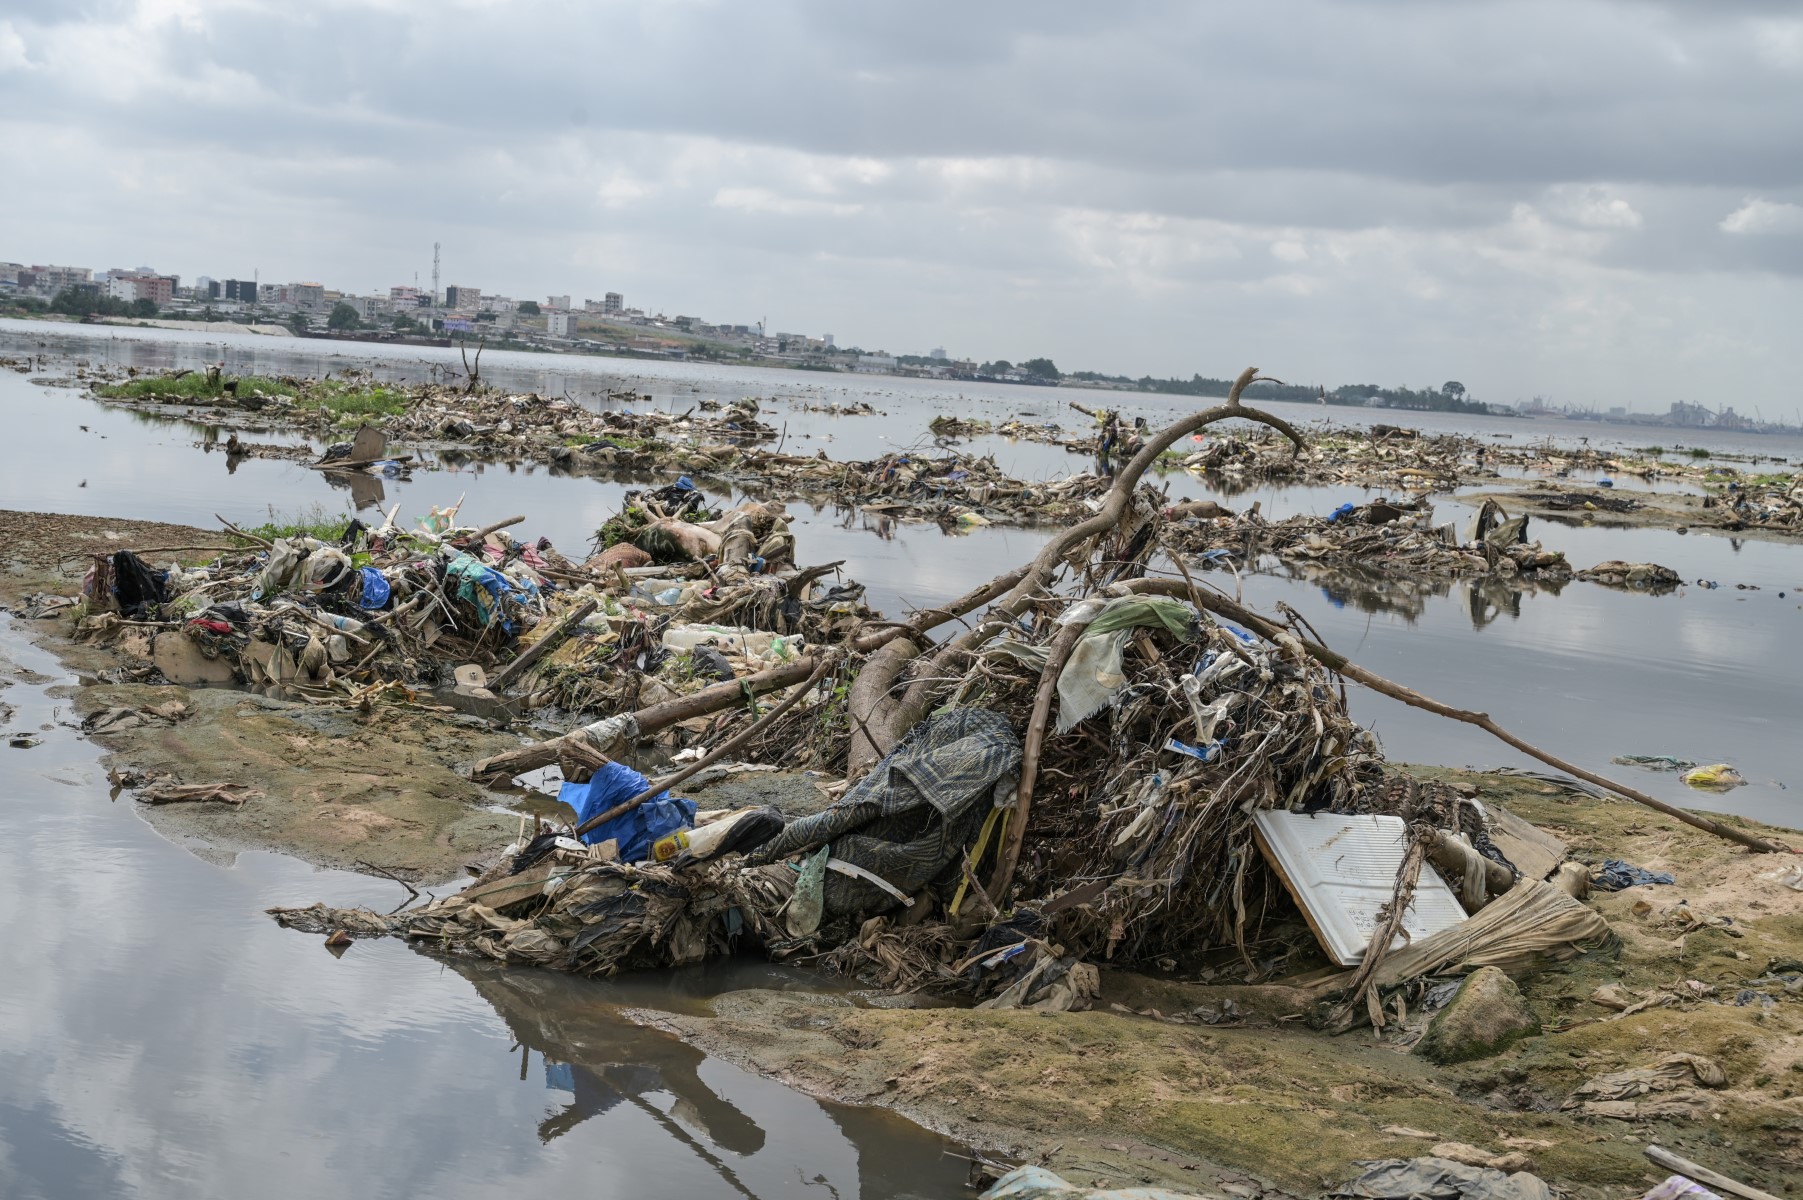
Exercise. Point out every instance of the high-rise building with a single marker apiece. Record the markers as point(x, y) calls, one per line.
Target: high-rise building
point(613, 304)
point(558, 303)
point(456, 296)
point(240, 291)
point(560, 323)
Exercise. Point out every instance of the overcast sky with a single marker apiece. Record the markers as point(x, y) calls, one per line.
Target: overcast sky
point(1596, 201)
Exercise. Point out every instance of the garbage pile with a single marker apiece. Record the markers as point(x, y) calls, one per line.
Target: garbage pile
point(476, 419)
point(403, 615)
point(961, 489)
point(1123, 769)
point(1393, 536)
point(1144, 846)
point(1381, 456)
point(560, 430)
point(1775, 504)
point(945, 487)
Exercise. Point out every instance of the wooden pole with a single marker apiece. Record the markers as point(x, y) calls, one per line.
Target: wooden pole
point(724, 748)
point(483, 532)
point(1683, 1166)
point(722, 695)
point(1009, 855)
point(538, 649)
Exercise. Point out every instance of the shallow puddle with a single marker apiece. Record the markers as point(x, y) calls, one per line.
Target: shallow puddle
point(159, 1036)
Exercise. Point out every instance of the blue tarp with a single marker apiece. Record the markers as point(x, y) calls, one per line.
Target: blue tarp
point(375, 589)
point(617, 783)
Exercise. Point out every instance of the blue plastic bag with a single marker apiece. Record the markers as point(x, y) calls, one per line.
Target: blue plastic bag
point(375, 589)
point(617, 783)
point(1340, 513)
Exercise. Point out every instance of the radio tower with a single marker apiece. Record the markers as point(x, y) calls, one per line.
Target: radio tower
point(434, 272)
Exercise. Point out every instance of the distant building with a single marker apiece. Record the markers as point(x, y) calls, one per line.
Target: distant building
point(1686, 414)
point(558, 303)
point(457, 296)
point(307, 295)
point(560, 323)
point(613, 304)
point(368, 307)
point(827, 340)
point(874, 364)
point(239, 291)
point(938, 352)
point(52, 279)
point(404, 297)
point(128, 286)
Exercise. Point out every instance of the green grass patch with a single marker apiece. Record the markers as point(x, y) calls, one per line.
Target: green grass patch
point(316, 521)
point(195, 385)
point(349, 402)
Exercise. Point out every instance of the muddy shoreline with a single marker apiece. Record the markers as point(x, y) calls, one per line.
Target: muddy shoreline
point(385, 790)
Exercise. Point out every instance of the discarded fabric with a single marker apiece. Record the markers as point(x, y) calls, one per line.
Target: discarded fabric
point(1614, 875)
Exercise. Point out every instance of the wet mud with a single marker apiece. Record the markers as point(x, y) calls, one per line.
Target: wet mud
point(1139, 1090)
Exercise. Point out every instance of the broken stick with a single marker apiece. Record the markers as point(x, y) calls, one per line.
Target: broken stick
point(724, 748)
point(539, 648)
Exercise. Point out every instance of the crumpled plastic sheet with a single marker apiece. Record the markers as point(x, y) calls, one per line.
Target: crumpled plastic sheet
point(1093, 674)
point(1439, 1179)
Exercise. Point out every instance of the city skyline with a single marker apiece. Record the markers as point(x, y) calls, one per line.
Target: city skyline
point(460, 310)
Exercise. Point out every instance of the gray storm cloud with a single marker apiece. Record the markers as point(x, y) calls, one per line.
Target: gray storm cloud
point(1592, 200)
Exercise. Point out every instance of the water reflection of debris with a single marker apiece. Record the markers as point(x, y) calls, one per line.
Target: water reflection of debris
point(1486, 598)
point(603, 1064)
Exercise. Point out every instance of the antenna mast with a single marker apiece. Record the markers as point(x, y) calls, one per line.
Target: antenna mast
point(434, 272)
